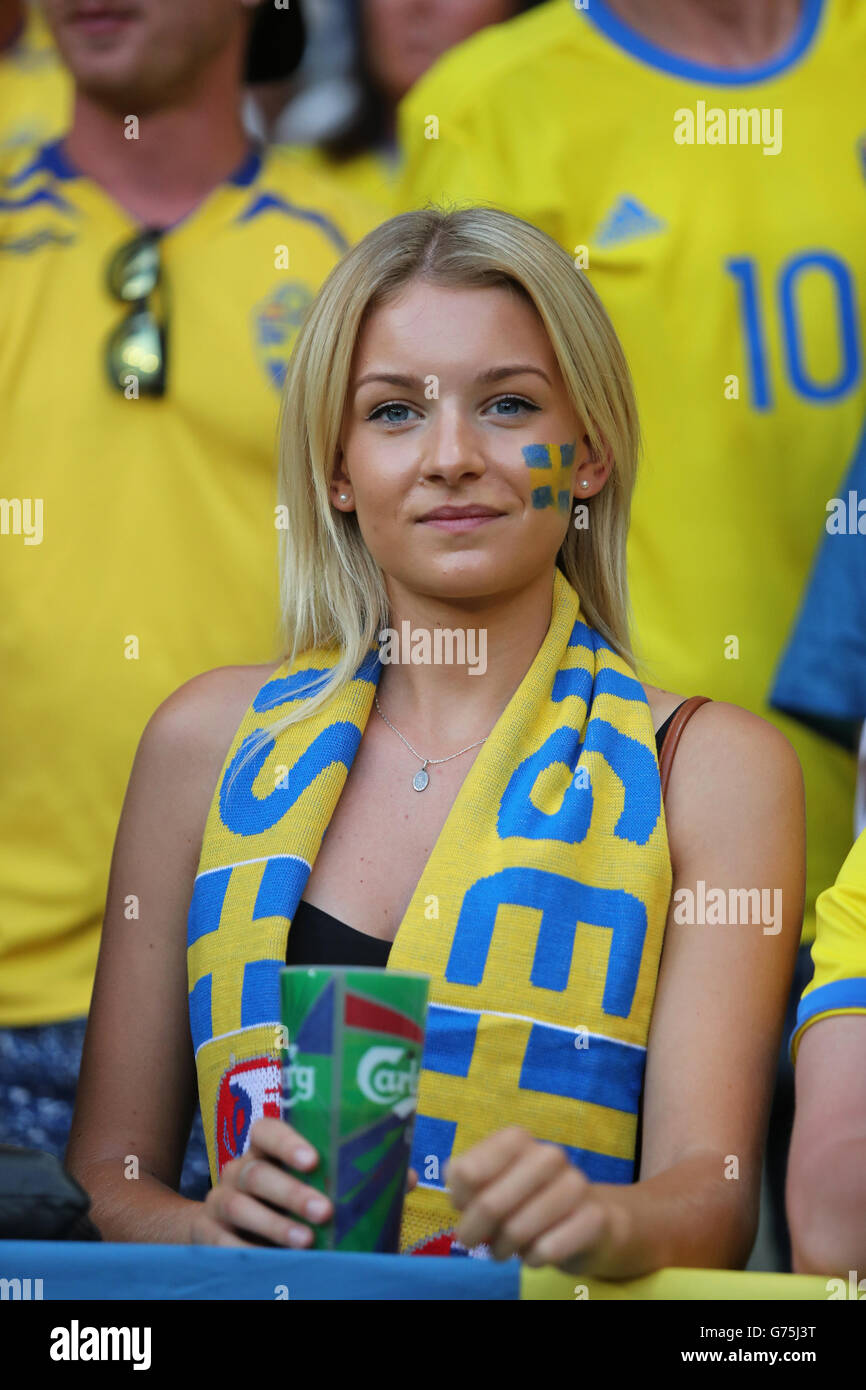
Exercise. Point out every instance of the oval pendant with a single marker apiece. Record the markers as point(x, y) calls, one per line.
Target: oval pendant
point(420, 780)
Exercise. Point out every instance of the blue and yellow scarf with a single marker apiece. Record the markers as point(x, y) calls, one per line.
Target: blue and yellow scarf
point(539, 916)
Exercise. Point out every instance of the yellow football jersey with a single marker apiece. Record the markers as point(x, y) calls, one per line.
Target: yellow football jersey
point(137, 535)
point(839, 949)
point(371, 175)
point(735, 274)
point(35, 88)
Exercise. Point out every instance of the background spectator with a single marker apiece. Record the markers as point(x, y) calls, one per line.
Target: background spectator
point(154, 270)
point(821, 678)
point(362, 59)
point(827, 1168)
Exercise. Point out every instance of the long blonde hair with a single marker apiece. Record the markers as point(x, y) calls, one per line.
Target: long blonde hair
point(333, 593)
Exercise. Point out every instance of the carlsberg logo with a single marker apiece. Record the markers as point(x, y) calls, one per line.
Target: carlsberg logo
point(378, 1077)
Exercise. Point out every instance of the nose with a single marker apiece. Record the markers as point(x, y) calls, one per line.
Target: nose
point(453, 447)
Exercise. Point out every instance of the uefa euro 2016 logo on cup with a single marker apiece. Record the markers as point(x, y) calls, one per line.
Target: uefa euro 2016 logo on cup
point(349, 1085)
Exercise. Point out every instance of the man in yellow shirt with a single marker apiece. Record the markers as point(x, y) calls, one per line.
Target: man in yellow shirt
point(154, 269)
point(707, 166)
point(827, 1165)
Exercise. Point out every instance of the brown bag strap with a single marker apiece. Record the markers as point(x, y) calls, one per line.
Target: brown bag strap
point(672, 735)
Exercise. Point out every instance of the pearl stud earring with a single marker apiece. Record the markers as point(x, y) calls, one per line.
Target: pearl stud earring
point(584, 483)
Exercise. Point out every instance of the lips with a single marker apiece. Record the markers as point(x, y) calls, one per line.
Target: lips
point(100, 16)
point(454, 521)
point(458, 513)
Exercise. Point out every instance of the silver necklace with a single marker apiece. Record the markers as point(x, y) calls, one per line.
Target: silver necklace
point(422, 777)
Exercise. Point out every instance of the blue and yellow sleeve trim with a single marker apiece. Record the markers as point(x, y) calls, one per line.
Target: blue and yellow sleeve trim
point(827, 1001)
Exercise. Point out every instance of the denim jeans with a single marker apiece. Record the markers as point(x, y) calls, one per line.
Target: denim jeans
point(39, 1068)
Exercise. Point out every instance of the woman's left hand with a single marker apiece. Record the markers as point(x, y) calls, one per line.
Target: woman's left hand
point(523, 1197)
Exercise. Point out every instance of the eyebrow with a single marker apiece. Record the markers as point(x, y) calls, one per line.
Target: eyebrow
point(494, 374)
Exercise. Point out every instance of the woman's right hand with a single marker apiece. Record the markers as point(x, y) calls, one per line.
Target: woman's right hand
point(250, 1187)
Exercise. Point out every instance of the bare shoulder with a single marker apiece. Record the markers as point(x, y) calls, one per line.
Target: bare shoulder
point(736, 784)
point(721, 729)
point(186, 740)
point(204, 713)
point(733, 772)
point(721, 735)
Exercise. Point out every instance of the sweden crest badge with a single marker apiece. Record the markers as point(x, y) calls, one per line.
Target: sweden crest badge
point(276, 321)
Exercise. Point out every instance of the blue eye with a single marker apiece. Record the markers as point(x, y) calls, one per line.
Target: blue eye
point(516, 404)
point(390, 413)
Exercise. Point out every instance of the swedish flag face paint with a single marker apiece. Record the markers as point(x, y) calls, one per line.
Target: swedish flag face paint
point(550, 470)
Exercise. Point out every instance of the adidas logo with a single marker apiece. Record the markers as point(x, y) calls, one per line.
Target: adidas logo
point(627, 220)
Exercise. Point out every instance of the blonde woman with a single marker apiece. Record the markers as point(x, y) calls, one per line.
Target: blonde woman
point(458, 451)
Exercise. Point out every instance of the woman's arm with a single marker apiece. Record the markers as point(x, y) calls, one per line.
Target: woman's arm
point(735, 811)
point(736, 820)
point(137, 1085)
point(826, 1187)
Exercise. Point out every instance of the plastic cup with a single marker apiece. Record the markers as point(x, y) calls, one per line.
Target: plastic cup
point(353, 1039)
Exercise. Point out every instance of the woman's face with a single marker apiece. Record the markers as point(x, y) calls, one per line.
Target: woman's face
point(456, 401)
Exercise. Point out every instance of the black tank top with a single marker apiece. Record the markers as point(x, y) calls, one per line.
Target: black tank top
point(317, 938)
